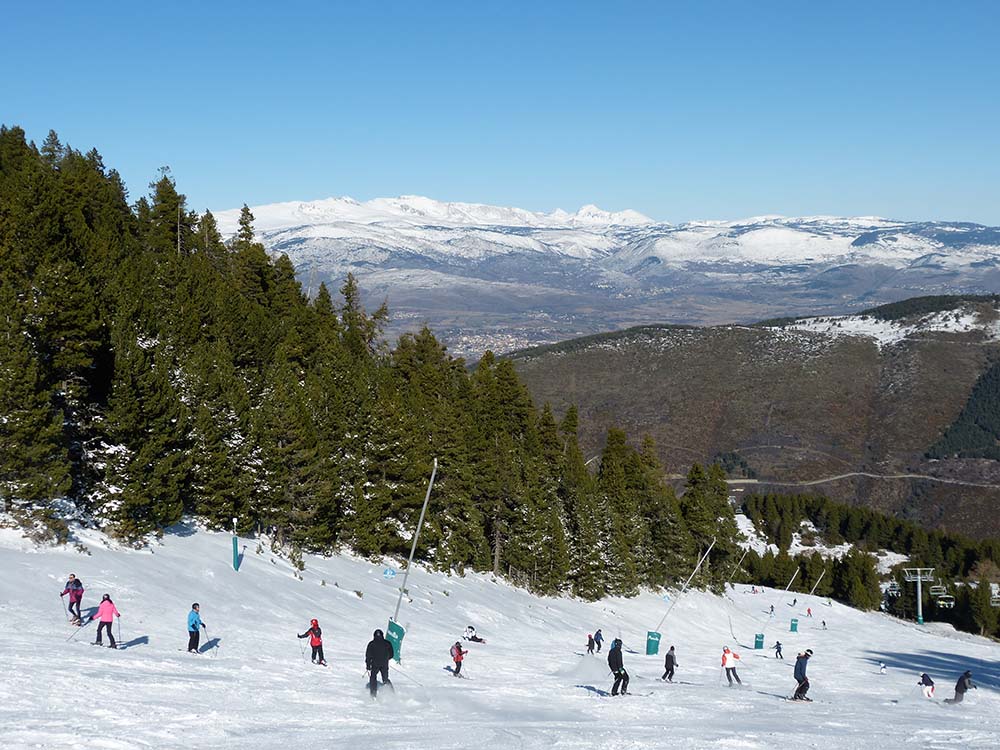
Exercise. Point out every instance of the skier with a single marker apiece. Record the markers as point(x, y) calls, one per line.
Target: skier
point(809, 612)
point(457, 654)
point(106, 613)
point(598, 639)
point(194, 628)
point(777, 651)
point(928, 685)
point(590, 643)
point(377, 657)
point(801, 662)
point(616, 666)
point(794, 602)
point(962, 687)
point(470, 635)
point(824, 624)
point(74, 587)
point(315, 635)
point(729, 659)
point(881, 668)
point(669, 663)
point(772, 610)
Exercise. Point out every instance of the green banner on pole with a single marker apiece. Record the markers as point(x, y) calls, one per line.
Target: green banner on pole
point(758, 640)
point(394, 634)
point(236, 554)
point(652, 643)
point(795, 626)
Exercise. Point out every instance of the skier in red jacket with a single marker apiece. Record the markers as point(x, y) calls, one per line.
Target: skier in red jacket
point(457, 654)
point(316, 641)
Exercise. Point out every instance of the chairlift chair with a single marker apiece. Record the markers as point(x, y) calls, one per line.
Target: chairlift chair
point(946, 602)
point(894, 589)
point(995, 600)
point(937, 590)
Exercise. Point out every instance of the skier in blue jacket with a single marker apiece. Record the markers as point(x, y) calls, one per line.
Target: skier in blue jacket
point(194, 628)
point(801, 661)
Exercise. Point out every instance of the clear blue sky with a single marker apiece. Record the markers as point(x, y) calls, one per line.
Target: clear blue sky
point(679, 110)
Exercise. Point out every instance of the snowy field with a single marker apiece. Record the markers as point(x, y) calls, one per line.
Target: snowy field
point(530, 686)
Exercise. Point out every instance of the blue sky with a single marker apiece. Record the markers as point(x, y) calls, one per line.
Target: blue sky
point(679, 110)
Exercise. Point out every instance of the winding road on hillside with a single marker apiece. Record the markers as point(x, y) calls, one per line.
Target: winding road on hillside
point(869, 475)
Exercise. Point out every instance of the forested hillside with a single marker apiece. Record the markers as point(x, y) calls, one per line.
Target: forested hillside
point(149, 370)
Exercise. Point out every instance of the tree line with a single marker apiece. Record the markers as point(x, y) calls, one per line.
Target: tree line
point(151, 369)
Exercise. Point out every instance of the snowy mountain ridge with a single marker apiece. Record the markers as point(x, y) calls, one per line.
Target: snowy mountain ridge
point(503, 278)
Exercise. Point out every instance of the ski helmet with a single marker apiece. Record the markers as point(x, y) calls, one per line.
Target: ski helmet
point(377, 634)
point(314, 622)
point(106, 598)
point(810, 652)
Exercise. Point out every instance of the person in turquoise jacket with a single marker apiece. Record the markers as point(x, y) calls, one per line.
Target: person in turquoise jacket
point(194, 628)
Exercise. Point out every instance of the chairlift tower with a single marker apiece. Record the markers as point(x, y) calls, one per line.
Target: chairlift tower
point(919, 575)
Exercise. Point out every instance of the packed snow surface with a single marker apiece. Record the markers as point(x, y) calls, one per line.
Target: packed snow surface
point(530, 686)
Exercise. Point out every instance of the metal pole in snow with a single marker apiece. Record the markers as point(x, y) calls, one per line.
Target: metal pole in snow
point(413, 547)
point(817, 582)
point(736, 567)
point(684, 588)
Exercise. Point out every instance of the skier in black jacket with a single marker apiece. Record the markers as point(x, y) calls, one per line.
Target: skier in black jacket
point(963, 686)
point(377, 661)
point(668, 664)
point(616, 666)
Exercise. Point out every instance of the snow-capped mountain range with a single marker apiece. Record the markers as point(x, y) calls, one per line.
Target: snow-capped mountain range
point(496, 277)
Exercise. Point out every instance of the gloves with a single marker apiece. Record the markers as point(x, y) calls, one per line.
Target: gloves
point(203, 625)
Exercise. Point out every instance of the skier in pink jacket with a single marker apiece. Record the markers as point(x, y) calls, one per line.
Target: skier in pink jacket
point(106, 613)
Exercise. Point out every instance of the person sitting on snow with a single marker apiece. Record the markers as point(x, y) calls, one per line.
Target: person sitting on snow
point(928, 685)
point(470, 635)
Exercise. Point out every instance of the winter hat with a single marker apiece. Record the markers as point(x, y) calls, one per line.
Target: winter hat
point(725, 649)
point(106, 598)
point(377, 634)
point(314, 622)
point(809, 651)
point(195, 605)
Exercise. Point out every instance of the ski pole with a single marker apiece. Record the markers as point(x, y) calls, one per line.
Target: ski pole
point(65, 611)
point(397, 669)
point(82, 626)
point(302, 650)
point(119, 629)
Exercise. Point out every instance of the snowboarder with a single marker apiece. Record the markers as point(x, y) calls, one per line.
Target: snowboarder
point(74, 587)
point(194, 628)
point(377, 657)
point(801, 662)
point(616, 666)
point(729, 659)
point(772, 610)
point(457, 655)
point(590, 643)
point(777, 651)
point(106, 613)
point(824, 624)
point(315, 635)
point(598, 639)
point(669, 663)
point(963, 686)
point(470, 635)
point(928, 685)
point(809, 612)
point(881, 668)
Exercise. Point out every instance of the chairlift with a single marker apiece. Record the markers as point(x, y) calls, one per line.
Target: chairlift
point(946, 602)
point(938, 590)
point(894, 589)
point(995, 600)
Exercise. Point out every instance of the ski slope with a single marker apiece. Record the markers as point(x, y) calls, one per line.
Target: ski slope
point(530, 686)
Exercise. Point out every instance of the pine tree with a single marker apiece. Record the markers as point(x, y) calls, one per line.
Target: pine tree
point(619, 507)
point(583, 515)
point(34, 467)
point(985, 616)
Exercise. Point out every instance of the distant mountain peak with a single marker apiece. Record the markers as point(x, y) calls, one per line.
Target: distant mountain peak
point(418, 209)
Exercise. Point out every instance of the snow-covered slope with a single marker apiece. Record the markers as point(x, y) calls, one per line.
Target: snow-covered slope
point(530, 686)
point(595, 270)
